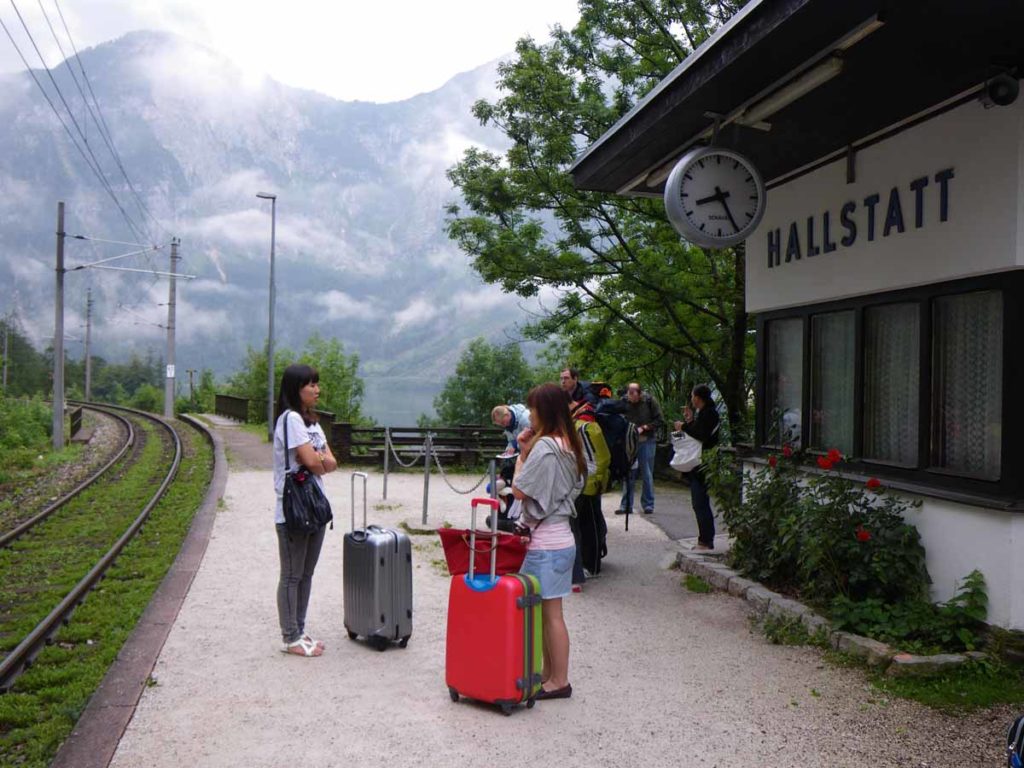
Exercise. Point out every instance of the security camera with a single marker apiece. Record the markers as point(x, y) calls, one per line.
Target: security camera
point(1001, 91)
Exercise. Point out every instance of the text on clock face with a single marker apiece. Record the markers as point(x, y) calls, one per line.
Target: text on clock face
point(719, 195)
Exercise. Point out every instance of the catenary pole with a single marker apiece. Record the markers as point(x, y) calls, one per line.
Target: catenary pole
point(171, 297)
point(7, 333)
point(88, 345)
point(58, 337)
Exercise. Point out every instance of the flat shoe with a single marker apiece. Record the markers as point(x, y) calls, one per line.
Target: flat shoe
point(558, 693)
point(302, 647)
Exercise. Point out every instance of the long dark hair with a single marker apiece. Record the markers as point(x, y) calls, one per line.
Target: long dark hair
point(549, 414)
point(294, 378)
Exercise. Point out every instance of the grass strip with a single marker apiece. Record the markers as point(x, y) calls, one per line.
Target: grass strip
point(39, 713)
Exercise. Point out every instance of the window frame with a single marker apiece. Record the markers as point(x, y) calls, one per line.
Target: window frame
point(921, 478)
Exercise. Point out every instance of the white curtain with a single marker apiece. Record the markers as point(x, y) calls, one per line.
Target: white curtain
point(832, 361)
point(784, 387)
point(892, 376)
point(967, 383)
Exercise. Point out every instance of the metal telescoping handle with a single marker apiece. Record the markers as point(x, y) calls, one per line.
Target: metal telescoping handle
point(354, 476)
point(493, 504)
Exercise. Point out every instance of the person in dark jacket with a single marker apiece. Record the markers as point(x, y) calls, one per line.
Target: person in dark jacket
point(701, 423)
point(642, 409)
point(575, 389)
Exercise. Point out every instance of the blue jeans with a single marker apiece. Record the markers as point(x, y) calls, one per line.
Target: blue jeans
point(645, 469)
point(702, 508)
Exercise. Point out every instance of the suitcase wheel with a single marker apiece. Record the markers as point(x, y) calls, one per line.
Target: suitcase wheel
point(506, 709)
point(380, 643)
point(453, 693)
point(352, 635)
point(403, 642)
point(530, 703)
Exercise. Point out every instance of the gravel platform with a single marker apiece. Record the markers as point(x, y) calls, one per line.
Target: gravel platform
point(661, 676)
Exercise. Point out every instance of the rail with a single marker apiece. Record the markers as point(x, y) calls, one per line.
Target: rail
point(8, 536)
point(22, 656)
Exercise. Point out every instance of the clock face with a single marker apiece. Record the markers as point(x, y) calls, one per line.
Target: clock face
point(714, 197)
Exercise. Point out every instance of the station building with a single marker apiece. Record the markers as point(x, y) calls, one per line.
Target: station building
point(886, 276)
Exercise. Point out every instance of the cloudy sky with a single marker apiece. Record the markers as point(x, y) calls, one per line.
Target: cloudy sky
point(349, 49)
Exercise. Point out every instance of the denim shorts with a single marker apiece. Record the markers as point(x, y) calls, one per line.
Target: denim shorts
point(553, 568)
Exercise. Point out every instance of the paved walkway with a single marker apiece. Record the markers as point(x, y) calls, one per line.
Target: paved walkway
point(661, 676)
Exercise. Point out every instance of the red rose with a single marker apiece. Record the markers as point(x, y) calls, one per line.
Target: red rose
point(787, 451)
point(773, 461)
point(862, 534)
point(824, 462)
point(873, 482)
point(834, 455)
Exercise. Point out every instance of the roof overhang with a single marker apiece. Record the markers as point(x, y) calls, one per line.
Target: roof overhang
point(791, 82)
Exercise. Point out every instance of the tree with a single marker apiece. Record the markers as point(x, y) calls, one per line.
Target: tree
point(341, 387)
point(632, 296)
point(485, 376)
point(341, 390)
point(27, 371)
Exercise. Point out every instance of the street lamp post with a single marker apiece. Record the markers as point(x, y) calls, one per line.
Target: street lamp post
point(270, 333)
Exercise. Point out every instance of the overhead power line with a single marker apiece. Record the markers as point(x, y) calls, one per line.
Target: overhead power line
point(94, 164)
point(97, 115)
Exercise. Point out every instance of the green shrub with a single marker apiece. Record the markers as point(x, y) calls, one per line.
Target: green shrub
point(916, 625)
point(819, 535)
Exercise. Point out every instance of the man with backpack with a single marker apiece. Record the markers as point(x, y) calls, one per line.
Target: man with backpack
point(643, 411)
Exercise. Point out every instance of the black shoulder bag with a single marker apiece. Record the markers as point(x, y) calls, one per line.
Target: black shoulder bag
point(306, 509)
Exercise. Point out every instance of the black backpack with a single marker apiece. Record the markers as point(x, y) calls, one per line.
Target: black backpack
point(1015, 744)
point(619, 434)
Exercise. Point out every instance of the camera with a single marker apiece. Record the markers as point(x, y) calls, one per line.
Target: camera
point(1001, 91)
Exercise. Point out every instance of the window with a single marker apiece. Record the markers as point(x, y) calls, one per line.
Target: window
point(915, 386)
point(784, 390)
point(832, 380)
point(967, 384)
point(892, 376)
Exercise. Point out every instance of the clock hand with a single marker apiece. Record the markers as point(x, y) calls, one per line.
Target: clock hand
point(712, 198)
point(729, 214)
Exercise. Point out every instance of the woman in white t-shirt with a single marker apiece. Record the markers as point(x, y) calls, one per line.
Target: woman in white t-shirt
point(549, 476)
point(307, 447)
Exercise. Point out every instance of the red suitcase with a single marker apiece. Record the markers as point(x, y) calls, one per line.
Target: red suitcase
point(494, 648)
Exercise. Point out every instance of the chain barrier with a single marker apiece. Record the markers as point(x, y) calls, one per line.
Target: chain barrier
point(414, 462)
point(444, 477)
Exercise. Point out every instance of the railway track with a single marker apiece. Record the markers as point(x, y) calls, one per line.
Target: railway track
point(98, 523)
point(24, 527)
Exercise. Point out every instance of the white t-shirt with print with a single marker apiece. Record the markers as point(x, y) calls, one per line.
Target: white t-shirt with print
point(298, 434)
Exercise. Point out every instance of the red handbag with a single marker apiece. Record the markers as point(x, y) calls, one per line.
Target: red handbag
point(510, 550)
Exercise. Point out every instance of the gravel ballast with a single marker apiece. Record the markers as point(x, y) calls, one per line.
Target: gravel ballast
point(661, 676)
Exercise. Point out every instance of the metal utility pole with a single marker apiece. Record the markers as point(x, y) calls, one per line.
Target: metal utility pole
point(171, 293)
point(270, 333)
point(58, 338)
point(88, 345)
point(7, 332)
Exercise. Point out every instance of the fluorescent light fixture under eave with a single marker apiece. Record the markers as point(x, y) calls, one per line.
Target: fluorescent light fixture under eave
point(787, 94)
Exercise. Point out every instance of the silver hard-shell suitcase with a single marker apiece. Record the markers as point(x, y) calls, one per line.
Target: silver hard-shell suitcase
point(377, 581)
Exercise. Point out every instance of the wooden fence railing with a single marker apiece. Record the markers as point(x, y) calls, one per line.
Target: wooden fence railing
point(466, 444)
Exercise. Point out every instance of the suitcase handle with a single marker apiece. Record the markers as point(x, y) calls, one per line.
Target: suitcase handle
point(354, 476)
point(493, 504)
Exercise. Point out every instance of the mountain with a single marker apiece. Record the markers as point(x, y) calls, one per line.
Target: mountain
point(361, 252)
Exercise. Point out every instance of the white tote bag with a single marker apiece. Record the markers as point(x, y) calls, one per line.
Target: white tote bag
point(687, 450)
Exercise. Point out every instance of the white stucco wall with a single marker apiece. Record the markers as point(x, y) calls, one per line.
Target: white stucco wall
point(984, 232)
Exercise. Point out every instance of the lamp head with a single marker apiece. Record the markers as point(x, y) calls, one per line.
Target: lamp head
point(266, 196)
point(1001, 90)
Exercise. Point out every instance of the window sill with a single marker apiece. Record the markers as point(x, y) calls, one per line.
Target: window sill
point(988, 501)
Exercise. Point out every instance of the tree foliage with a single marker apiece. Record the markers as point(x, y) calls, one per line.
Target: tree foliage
point(27, 371)
point(341, 389)
point(485, 376)
point(633, 299)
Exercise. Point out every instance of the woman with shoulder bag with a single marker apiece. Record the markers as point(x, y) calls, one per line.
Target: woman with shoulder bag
point(307, 448)
point(701, 423)
point(549, 476)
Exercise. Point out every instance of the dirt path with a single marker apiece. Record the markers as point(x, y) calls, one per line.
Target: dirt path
point(661, 677)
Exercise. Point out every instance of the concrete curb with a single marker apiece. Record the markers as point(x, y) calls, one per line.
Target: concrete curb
point(98, 731)
point(765, 602)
